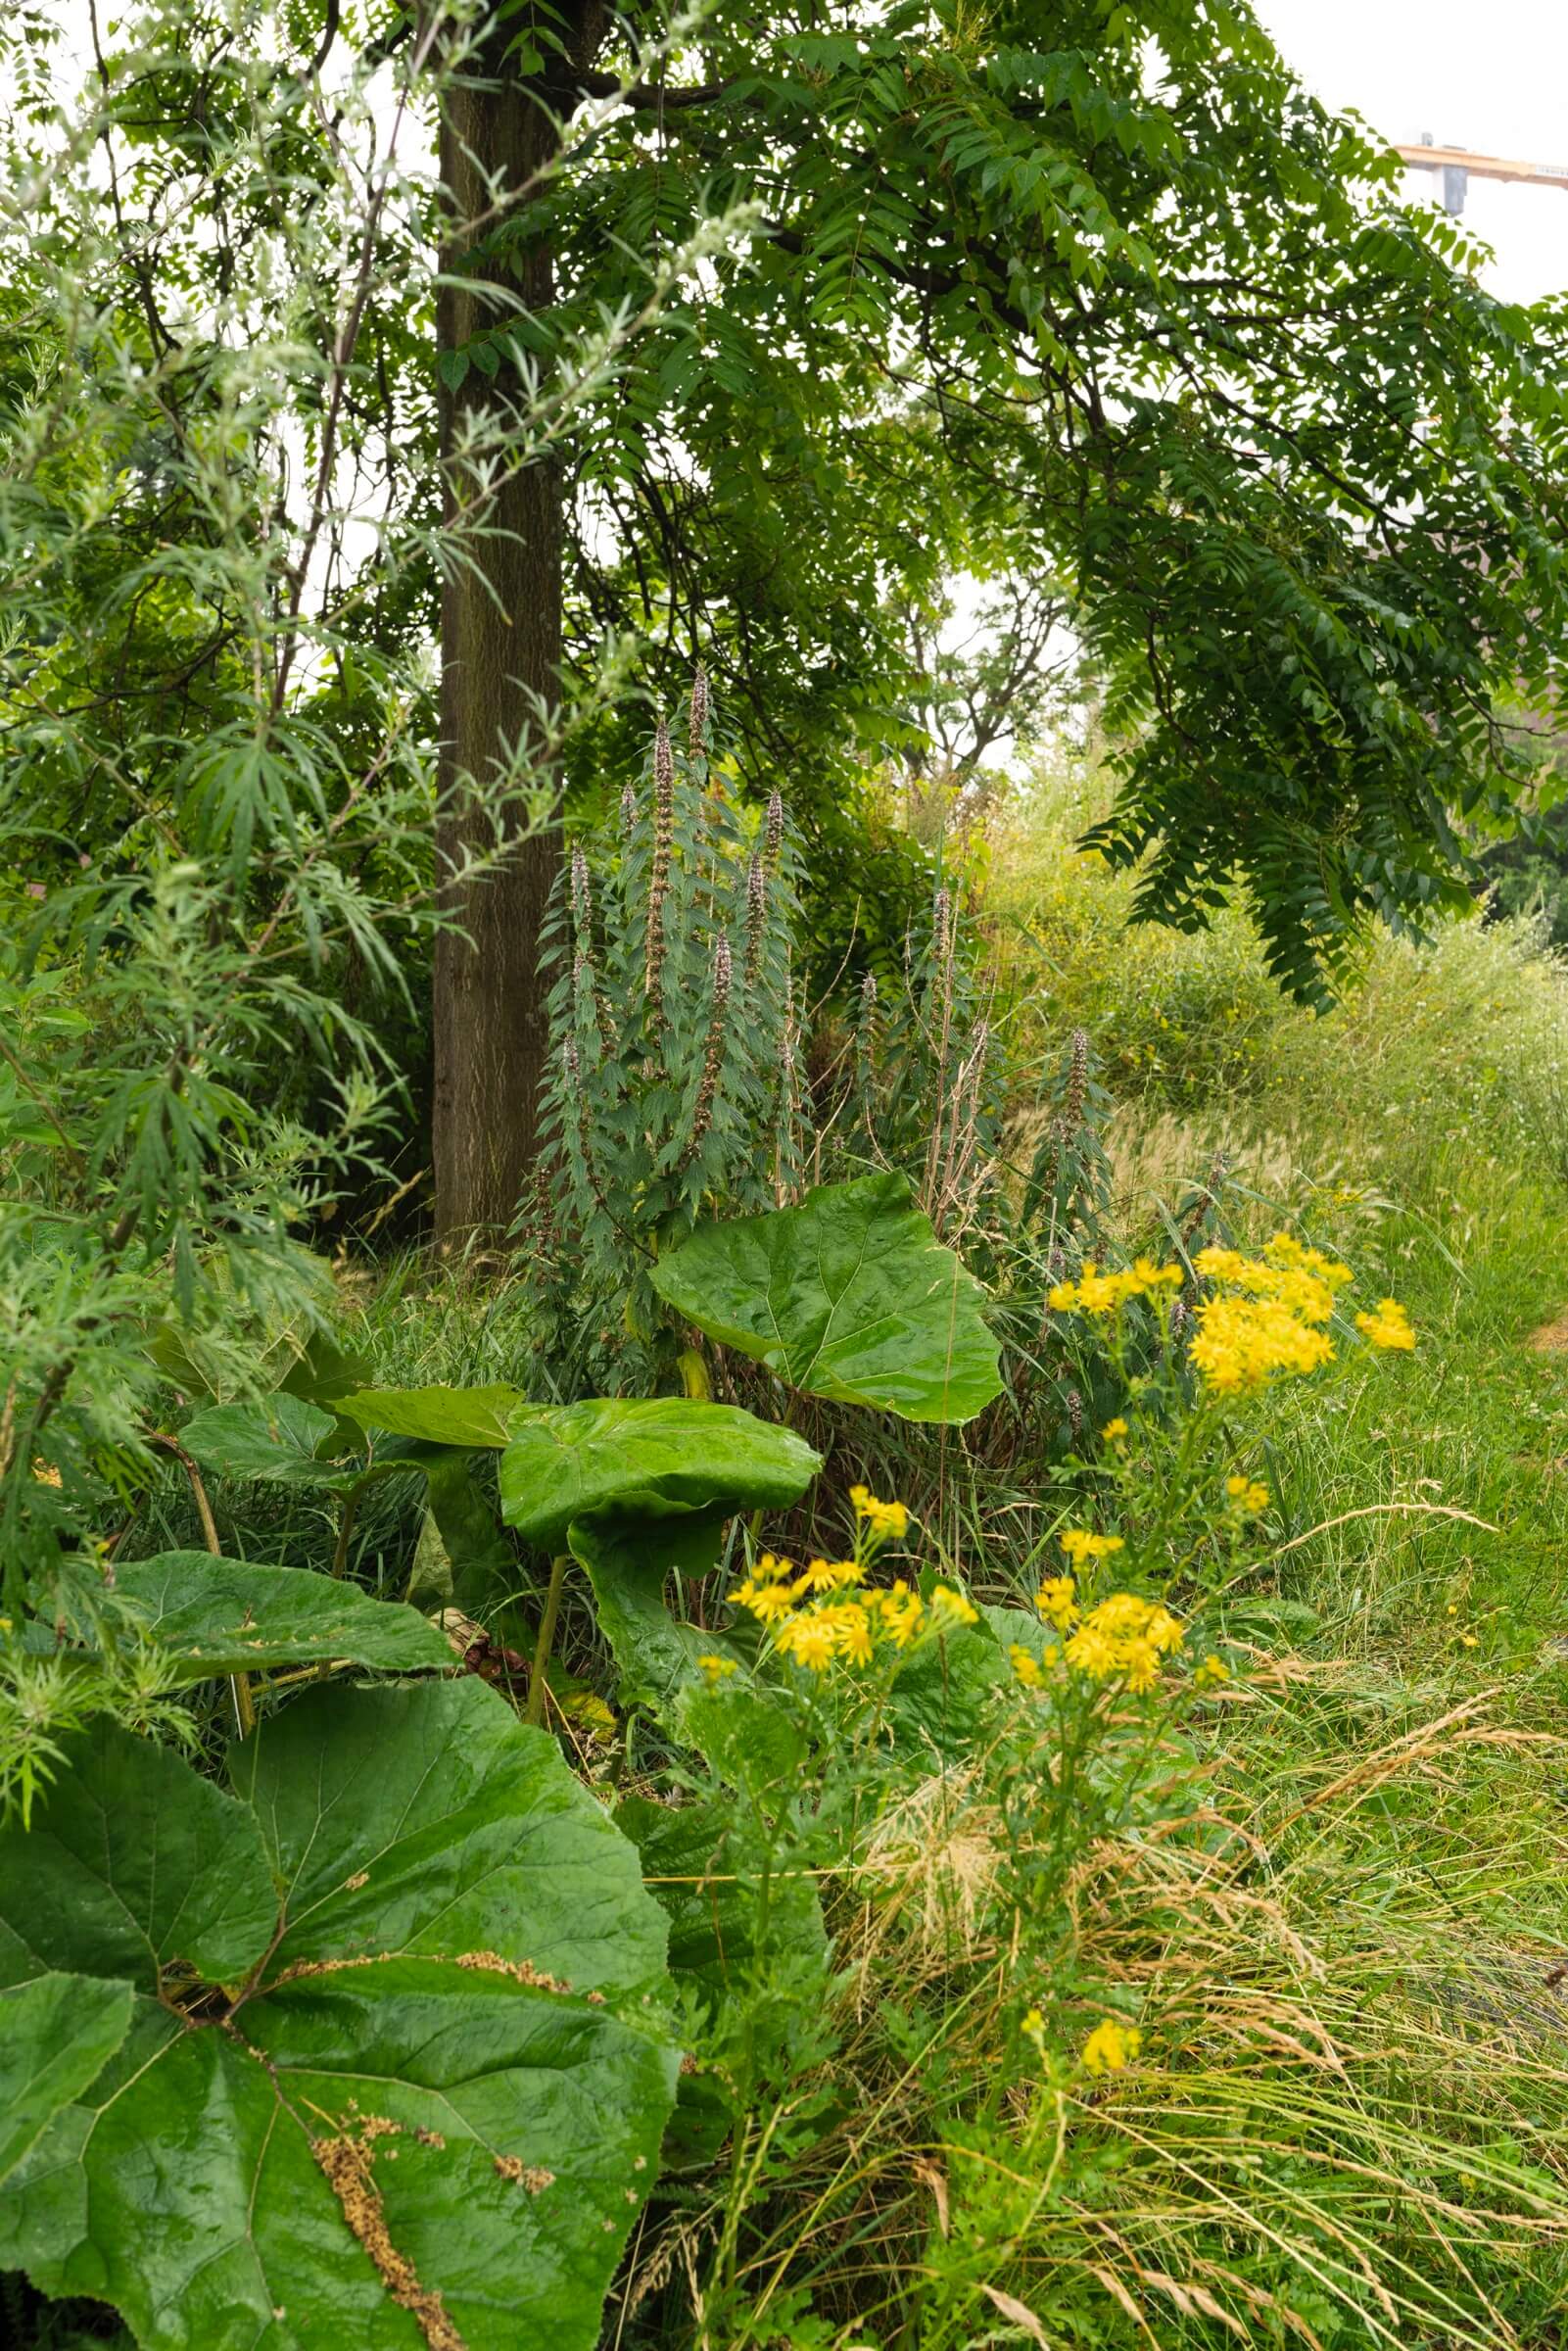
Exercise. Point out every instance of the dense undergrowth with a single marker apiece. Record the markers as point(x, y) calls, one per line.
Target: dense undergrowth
point(1253, 2026)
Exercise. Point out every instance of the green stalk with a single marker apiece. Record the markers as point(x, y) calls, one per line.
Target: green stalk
point(546, 1635)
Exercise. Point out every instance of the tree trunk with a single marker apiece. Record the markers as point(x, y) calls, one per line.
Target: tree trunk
point(501, 644)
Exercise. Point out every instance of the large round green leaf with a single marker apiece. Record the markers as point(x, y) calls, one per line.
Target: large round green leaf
point(231, 1617)
point(57, 2034)
point(278, 1441)
point(659, 1456)
point(848, 1296)
point(428, 2106)
point(469, 1417)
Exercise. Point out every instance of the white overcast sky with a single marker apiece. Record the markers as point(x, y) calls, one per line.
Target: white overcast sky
point(1492, 78)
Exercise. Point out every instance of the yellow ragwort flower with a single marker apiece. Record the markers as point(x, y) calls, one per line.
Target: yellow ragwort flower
point(766, 1602)
point(828, 1575)
point(807, 1639)
point(951, 1607)
point(882, 1519)
point(1058, 1599)
point(1080, 1544)
point(1111, 2047)
point(1114, 1430)
point(1389, 1328)
point(903, 1612)
point(1212, 1669)
point(717, 1669)
point(1249, 1494)
point(1025, 1667)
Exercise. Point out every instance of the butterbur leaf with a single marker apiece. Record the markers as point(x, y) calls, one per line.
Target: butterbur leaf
point(658, 1457)
point(848, 1296)
point(229, 1616)
point(476, 1417)
point(277, 1440)
point(134, 1868)
point(57, 2034)
point(746, 1738)
point(422, 2103)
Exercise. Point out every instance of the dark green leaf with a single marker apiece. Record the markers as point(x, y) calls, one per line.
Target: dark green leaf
point(432, 2110)
point(57, 2034)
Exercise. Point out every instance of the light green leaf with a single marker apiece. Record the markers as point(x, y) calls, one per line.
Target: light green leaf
point(229, 1616)
point(470, 1417)
point(57, 2034)
point(848, 1296)
point(659, 1457)
point(276, 1440)
point(430, 2111)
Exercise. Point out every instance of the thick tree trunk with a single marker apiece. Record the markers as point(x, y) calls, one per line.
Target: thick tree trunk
point(500, 641)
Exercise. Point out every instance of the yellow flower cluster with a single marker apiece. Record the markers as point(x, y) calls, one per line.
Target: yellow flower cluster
point(883, 1521)
point(1097, 1293)
point(1114, 1430)
point(1122, 1639)
point(826, 1610)
point(1269, 1315)
point(1080, 1544)
point(1389, 1327)
point(1249, 1496)
point(1111, 2047)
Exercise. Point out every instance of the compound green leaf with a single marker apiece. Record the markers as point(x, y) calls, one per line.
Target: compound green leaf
point(469, 1417)
point(657, 1456)
point(432, 2109)
point(848, 1296)
point(57, 2034)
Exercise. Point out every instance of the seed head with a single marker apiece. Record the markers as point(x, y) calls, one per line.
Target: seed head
point(756, 917)
point(773, 829)
point(700, 709)
point(627, 809)
point(1077, 1089)
point(941, 918)
point(582, 897)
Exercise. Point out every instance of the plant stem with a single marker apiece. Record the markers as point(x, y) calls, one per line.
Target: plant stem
point(239, 1683)
point(546, 1635)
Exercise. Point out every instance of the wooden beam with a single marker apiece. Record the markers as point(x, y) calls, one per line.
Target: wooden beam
point(1483, 167)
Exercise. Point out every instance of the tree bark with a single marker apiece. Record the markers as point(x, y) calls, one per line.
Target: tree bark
point(500, 644)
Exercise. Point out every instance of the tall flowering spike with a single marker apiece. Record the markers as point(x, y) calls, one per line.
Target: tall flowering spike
point(698, 723)
point(582, 895)
point(941, 927)
point(756, 917)
point(773, 829)
point(1077, 1093)
point(628, 810)
point(659, 876)
point(712, 1050)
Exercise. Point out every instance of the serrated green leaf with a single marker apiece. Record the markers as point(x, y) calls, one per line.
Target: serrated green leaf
point(848, 1296)
point(57, 2034)
point(433, 2108)
point(657, 1456)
